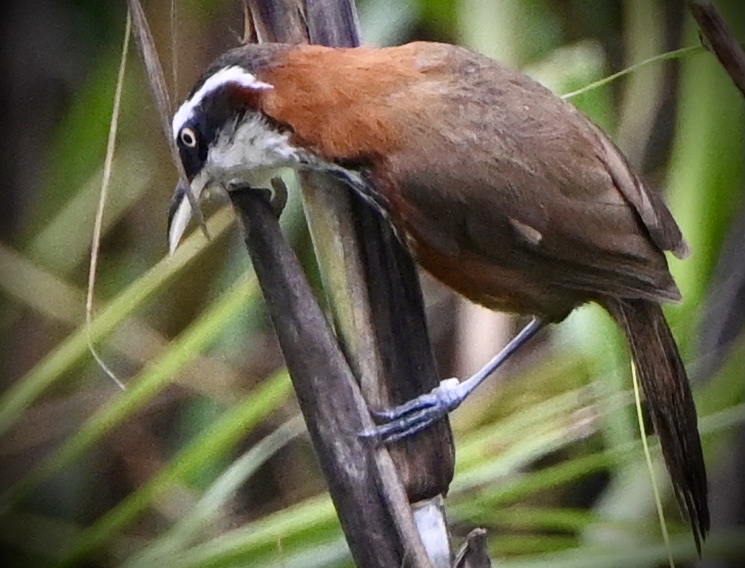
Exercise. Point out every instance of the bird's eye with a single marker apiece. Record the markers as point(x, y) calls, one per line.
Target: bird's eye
point(188, 137)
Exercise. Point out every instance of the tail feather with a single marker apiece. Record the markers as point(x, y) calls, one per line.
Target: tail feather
point(670, 403)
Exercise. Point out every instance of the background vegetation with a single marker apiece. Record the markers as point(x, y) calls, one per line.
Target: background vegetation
point(202, 461)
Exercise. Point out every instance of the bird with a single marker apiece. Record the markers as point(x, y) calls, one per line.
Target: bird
point(498, 187)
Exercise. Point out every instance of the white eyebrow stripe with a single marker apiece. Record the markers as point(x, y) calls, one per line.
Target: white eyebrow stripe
point(232, 74)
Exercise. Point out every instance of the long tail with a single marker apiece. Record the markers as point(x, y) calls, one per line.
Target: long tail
point(670, 404)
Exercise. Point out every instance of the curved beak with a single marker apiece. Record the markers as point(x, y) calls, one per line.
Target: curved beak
point(181, 211)
point(178, 215)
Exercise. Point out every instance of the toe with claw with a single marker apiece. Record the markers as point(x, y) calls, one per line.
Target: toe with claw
point(417, 414)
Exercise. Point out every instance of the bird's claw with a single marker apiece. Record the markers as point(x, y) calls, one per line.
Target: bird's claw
point(417, 414)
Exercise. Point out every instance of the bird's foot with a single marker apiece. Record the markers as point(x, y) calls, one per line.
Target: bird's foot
point(417, 414)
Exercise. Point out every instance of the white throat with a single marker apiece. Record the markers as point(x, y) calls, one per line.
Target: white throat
point(247, 149)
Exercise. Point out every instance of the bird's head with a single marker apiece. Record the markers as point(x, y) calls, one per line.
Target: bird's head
point(260, 108)
point(223, 136)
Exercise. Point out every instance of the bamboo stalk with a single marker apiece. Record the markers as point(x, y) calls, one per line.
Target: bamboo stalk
point(363, 266)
